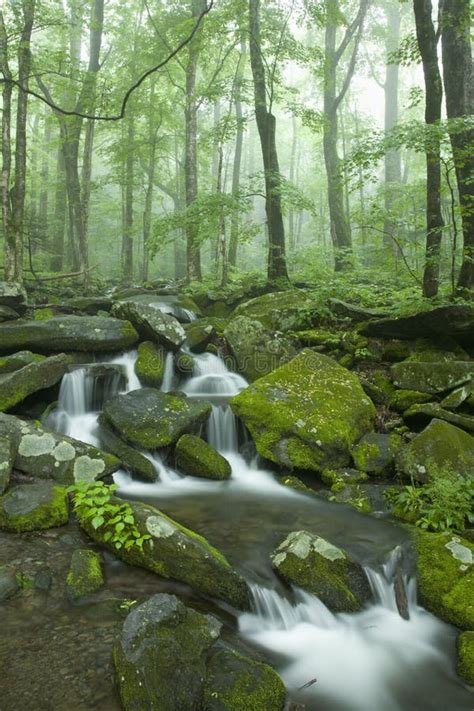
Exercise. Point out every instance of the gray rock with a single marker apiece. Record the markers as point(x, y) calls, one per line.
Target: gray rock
point(13, 362)
point(9, 584)
point(375, 453)
point(7, 457)
point(420, 415)
point(151, 324)
point(12, 295)
point(18, 385)
point(355, 313)
point(8, 314)
point(131, 459)
point(33, 507)
point(431, 378)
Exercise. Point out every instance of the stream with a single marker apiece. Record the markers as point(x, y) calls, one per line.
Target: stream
point(373, 660)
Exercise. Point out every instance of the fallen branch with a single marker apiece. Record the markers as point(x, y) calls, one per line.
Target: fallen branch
point(69, 275)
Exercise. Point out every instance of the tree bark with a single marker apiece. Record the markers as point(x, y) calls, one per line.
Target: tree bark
point(427, 42)
point(6, 148)
point(239, 142)
point(59, 218)
point(266, 124)
point(127, 237)
point(459, 88)
point(44, 189)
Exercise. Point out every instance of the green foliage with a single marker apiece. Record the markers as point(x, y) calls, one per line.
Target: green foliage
point(93, 501)
point(445, 504)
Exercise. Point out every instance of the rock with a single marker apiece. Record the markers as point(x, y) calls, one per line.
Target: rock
point(182, 307)
point(355, 313)
point(48, 455)
point(7, 457)
point(237, 683)
point(160, 659)
point(307, 414)
point(322, 569)
point(199, 336)
point(68, 333)
point(12, 295)
point(257, 351)
point(150, 364)
point(419, 415)
point(10, 363)
point(401, 400)
point(151, 324)
point(89, 305)
point(446, 576)
point(456, 398)
point(18, 385)
point(456, 321)
point(33, 507)
point(346, 476)
point(131, 459)
point(439, 447)
point(352, 495)
point(319, 337)
point(178, 553)
point(152, 419)
point(9, 585)
point(290, 310)
point(375, 453)
point(431, 377)
point(197, 458)
point(183, 363)
point(8, 314)
point(466, 656)
point(85, 574)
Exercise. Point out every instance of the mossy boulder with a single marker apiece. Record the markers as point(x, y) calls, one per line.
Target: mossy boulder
point(197, 458)
point(307, 414)
point(198, 336)
point(33, 507)
point(89, 305)
point(85, 574)
point(322, 569)
point(347, 476)
point(419, 415)
point(457, 397)
point(68, 333)
point(184, 363)
point(351, 495)
point(19, 384)
point(401, 400)
point(131, 459)
point(375, 453)
point(176, 552)
point(238, 683)
point(13, 362)
point(151, 323)
point(440, 447)
point(289, 310)
point(12, 295)
point(150, 364)
point(257, 350)
point(48, 455)
point(446, 576)
point(355, 313)
point(8, 314)
point(319, 337)
point(431, 378)
point(7, 457)
point(465, 646)
point(151, 419)
point(160, 659)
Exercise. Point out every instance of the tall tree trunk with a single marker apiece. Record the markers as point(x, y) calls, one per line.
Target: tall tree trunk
point(193, 253)
point(32, 215)
point(239, 142)
point(86, 174)
point(393, 169)
point(459, 88)
point(44, 188)
point(59, 217)
point(7, 91)
point(150, 183)
point(266, 124)
point(291, 214)
point(427, 42)
point(127, 238)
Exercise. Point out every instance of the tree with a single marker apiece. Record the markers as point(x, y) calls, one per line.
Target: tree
point(427, 43)
point(459, 88)
point(266, 124)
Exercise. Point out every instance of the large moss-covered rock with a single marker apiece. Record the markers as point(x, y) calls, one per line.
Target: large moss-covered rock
point(238, 683)
point(150, 364)
point(194, 456)
point(440, 447)
point(18, 360)
point(8, 314)
point(151, 419)
point(176, 552)
point(307, 414)
point(7, 457)
point(151, 323)
point(446, 576)
point(89, 304)
point(18, 385)
point(466, 656)
point(375, 453)
point(160, 659)
point(419, 415)
point(131, 459)
point(431, 378)
point(199, 335)
point(322, 569)
point(33, 507)
point(68, 333)
point(47, 455)
point(358, 314)
point(456, 321)
point(401, 400)
point(290, 310)
point(85, 574)
point(257, 350)
point(12, 294)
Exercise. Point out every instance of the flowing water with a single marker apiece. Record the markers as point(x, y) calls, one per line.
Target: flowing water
point(373, 660)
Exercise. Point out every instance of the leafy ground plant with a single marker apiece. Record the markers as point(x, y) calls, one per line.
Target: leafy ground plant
point(95, 501)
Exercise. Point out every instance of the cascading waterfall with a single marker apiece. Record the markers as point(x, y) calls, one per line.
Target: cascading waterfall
point(168, 374)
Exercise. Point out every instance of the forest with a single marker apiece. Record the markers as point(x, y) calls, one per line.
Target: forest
point(237, 355)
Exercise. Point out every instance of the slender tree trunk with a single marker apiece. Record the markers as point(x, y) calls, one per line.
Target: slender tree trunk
point(7, 91)
point(291, 214)
point(86, 174)
point(127, 238)
point(427, 42)
point(32, 218)
point(239, 142)
point(459, 88)
point(150, 185)
point(266, 124)
point(59, 218)
point(44, 188)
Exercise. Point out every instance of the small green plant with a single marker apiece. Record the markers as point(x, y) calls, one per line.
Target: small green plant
point(93, 500)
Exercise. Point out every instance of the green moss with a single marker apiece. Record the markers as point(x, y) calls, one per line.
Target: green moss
point(43, 314)
point(401, 400)
point(466, 656)
point(194, 456)
point(292, 482)
point(150, 364)
point(446, 576)
point(318, 337)
point(184, 363)
point(33, 507)
point(85, 574)
point(237, 683)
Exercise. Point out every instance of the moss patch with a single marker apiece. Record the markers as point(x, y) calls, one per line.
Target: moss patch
point(466, 656)
point(33, 507)
point(196, 457)
point(150, 364)
point(85, 574)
